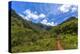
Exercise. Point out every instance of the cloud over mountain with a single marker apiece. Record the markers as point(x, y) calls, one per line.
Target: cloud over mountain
point(32, 15)
point(29, 15)
point(48, 14)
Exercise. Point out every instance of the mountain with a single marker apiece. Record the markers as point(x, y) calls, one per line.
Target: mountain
point(29, 36)
point(23, 31)
point(20, 22)
point(68, 26)
point(69, 19)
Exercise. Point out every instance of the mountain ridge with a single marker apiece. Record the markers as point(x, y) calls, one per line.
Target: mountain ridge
point(47, 27)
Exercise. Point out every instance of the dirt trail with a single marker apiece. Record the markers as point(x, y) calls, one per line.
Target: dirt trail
point(58, 43)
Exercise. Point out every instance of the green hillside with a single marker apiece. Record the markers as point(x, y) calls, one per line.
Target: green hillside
point(69, 26)
point(27, 36)
point(68, 32)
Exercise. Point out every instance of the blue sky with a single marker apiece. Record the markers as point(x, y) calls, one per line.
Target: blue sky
point(46, 13)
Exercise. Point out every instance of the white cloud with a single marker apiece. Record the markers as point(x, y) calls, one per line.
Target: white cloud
point(44, 21)
point(66, 8)
point(74, 9)
point(27, 11)
point(33, 15)
point(51, 24)
point(29, 14)
point(48, 23)
point(42, 15)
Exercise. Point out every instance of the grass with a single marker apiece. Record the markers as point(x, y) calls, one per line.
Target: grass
point(69, 41)
point(39, 45)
